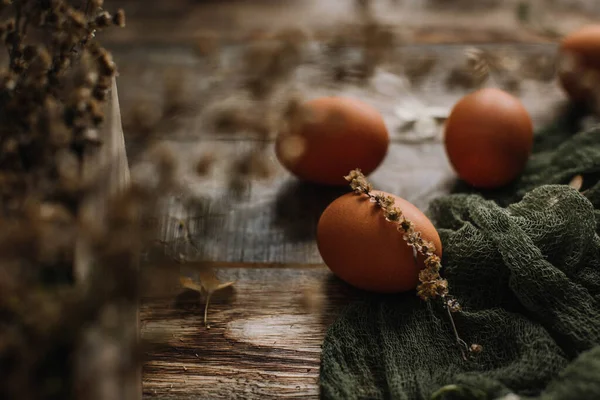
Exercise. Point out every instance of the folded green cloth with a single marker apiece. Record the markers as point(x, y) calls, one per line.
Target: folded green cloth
point(524, 262)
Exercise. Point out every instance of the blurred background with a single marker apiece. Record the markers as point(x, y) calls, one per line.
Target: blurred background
point(183, 21)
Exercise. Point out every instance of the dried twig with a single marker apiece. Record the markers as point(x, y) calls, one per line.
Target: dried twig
point(432, 285)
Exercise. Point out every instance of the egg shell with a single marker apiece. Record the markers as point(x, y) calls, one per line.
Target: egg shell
point(340, 134)
point(488, 138)
point(368, 252)
point(580, 62)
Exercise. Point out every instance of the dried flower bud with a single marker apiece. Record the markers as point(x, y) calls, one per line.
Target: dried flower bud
point(433, 262)
point(477, 61)
point(453, 305)
point(358, 182)
point(392, 214)
point(104, 82)
point(385, 201)
point(473, 73)
point(427, 290)
point(428, 248)
point(413, 239)
point(476, 348)
point(428, 275)
point(106, 64)
point(96, 111)
point(119, 18)
point(354, 174)
point(77, 18)
point(366, 187)
point(103, 19)
point(441, 287)
point(44, 57)
point(405, 225)
point(100, 94)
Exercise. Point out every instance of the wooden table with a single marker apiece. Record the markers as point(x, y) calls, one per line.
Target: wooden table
point(266, 331)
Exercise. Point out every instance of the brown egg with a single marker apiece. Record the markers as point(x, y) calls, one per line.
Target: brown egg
point(338, 135)
point(579, 63)
point(488, 138)
point(368, 252)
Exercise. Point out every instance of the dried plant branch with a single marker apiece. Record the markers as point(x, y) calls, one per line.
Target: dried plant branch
point(432, 285)
point(54, 87)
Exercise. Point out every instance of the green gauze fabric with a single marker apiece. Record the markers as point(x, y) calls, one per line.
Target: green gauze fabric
point(525, 265)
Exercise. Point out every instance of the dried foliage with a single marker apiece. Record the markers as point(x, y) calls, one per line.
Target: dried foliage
point(419, 67)
point(268, 62)
point(53, 93)
point(207, 283)
point(473, 73)
point(355, 51)
point(432, 285)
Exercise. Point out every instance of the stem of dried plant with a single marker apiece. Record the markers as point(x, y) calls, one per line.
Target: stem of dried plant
point(432, 285)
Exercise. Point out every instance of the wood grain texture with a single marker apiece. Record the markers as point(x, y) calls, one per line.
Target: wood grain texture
point(264, 340)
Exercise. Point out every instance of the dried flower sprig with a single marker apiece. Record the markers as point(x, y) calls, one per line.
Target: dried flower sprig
point(207, 283)
point(432, 285)
point(54, 85)
point(474, 72)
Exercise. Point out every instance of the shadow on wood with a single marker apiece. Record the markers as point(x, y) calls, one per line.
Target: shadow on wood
point(299, 206)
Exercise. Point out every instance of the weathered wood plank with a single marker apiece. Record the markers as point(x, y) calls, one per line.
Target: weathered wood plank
point(264, 340)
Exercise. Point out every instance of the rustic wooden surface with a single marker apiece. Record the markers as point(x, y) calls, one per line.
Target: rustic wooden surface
point(267, 330)
point(264, 340)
